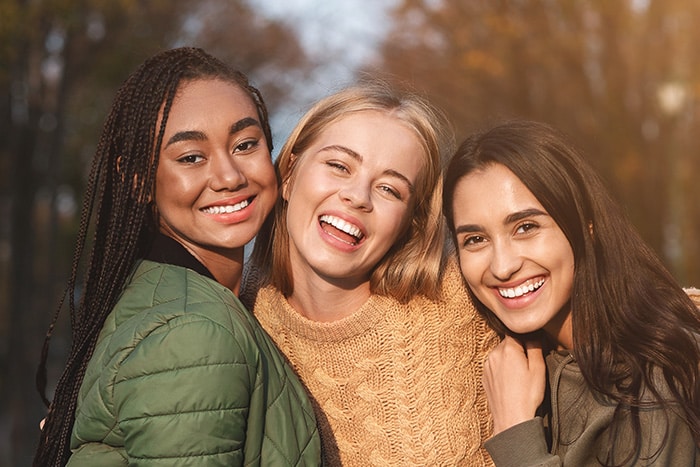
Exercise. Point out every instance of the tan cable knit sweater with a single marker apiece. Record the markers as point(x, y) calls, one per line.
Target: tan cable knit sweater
point(392, 384)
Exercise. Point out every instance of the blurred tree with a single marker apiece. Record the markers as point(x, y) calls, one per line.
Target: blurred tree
point(60, 64)
point(595, 70)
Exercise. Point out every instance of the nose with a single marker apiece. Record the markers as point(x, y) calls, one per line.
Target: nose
point(226, 173)
point(356, 194)
point(506, 260)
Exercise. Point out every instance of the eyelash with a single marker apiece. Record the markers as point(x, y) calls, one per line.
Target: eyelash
point(188, 158)
point(246, 145)
point(526, 227)
point(343, 168)
point(337, 166)
point(472, 240)
point(391, 191)
point(241, 147)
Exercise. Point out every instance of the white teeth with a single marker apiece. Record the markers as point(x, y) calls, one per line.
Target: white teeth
point(521, 289)
point(226, 209)
point(340, 224)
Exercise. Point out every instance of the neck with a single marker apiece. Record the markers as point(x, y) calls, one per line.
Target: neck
point(561, 332)
point(226, 266)
point(227, 273)
point(323, 301)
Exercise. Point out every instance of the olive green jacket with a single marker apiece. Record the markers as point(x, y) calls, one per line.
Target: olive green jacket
point(183, 374)
point(580, 429)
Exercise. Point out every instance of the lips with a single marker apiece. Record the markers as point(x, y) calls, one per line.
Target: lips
point(341, 229)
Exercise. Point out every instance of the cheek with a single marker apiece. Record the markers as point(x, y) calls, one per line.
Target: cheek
point(568, 272)
point(473, 267)
point(468, 269)
point(398, 215)
point(268, 179)
point(298, 179)
point(168, 181)
point(565, 258)
point(162, 188)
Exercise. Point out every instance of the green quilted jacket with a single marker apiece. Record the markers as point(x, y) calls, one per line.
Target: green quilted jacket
point(183, 374)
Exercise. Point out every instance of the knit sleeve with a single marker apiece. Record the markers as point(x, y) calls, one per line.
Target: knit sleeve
point(478, 338)
point(183, 393)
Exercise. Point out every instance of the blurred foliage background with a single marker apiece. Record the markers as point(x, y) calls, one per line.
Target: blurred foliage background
point(621, 77)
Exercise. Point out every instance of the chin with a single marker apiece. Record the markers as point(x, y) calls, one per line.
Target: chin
point(522, 329)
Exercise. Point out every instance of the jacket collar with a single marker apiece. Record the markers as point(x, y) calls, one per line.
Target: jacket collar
point(169, 251)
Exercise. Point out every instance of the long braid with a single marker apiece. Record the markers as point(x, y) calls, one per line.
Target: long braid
point(118, 209)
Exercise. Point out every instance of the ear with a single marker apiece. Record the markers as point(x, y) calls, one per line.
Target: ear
point(286, 183)
point(285, 189)
point(590, 228)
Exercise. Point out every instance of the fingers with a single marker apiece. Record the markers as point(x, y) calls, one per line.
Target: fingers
point(514, 381)
point(535, 357)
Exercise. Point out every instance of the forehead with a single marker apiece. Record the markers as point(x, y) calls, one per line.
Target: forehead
point(379, 141)
point(373, 132)
point(365, 120)
point(491, 192)
point(209, 97)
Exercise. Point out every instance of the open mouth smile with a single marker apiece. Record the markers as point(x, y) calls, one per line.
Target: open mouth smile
point(522, 289)
point(341, 230)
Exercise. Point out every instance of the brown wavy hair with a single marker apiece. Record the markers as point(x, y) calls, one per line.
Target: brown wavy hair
point(631, 320)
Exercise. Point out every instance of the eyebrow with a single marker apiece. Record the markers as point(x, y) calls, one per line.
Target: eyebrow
point(358, 157)
point(196, 135)
point(510, 219)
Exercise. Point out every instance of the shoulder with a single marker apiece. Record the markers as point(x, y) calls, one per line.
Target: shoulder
point(168, 309)
point(268, 300)
point(453, 312)
point(452, 283)
point(454, 299)
point(166, 292)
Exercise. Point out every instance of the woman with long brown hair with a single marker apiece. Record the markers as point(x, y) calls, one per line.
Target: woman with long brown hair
point(555, 266)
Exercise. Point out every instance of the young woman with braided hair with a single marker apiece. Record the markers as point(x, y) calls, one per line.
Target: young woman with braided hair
point(166, 366)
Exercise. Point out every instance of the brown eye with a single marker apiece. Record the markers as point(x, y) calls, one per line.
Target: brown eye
point(390, 191)
point(246, 146)
point(526, 227)
point(190, 159)
point(473, 240)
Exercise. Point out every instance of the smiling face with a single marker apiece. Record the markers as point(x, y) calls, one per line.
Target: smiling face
point(514, 257)
point(215, 182)
point(350, 197)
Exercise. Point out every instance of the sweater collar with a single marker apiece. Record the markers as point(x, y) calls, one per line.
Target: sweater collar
point(169, 251)
point(368, 316)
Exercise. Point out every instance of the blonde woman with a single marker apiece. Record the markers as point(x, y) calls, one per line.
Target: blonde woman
point(356, 292)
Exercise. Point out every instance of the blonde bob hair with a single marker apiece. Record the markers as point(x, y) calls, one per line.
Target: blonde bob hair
point(413, 264)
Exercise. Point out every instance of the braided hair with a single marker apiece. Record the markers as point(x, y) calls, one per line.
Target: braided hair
point(118, 217)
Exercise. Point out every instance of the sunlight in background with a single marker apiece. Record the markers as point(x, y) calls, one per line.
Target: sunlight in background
point(339, 36)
